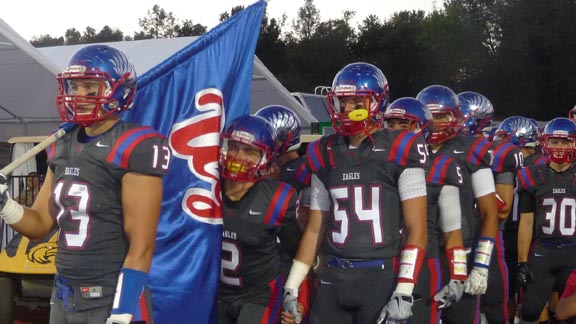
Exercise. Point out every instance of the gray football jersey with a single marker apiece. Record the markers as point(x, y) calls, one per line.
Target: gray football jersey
point(87, 196)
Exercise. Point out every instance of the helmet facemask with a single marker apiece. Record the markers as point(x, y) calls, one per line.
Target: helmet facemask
point(446, 125)
point(559, 149)
point(354, 112)
point(243, 159)
point(86, 108)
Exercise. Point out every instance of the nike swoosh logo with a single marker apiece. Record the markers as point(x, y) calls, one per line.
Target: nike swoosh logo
point(98, 144)
point(251, 212)
point(290, 169)
point(538, 255)
point(325, 282)
point(458, 152)
point(379, 150)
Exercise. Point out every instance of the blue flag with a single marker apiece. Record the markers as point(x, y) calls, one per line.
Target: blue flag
point(189, 97)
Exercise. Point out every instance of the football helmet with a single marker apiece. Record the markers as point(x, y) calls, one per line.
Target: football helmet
point(99, 81)
point(562, 128)
point(477, 112)
point(248, 149)
point(442, 101)
point(363, 86)
point(517, 130)
point(410, 109)
point(287, 126)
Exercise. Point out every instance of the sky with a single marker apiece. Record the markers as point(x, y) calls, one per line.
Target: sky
point(32, 18)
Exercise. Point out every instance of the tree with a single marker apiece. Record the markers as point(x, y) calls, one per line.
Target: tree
point(225, 15)
point(72, 37)
point(188, 28)
point(308, 20)
point(158, 24)
point(46, 40)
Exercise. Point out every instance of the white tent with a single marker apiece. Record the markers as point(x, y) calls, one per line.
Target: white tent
point(28, 81)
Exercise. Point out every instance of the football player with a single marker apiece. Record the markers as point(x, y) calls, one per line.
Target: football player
point(478, 111)
point(443, 218)
point(103, 189)
point(290, 167)
point(258, 212)
point(366, 183)
point(474, 156)
point(546, 201)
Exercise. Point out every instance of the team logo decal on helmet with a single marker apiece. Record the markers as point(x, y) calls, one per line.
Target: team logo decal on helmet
point(287, 126)
point(477, 112)
point(518, 130)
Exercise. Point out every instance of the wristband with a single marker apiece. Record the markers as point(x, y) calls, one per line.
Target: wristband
point(12, 212)
point(411, 259)
point(298, 273)
point(483, 252)
point(128, 291)
point(457, 261)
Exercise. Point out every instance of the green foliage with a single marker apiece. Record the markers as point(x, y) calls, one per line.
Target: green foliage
point(519, 53)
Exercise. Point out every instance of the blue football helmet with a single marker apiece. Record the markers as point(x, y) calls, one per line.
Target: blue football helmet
point(443, 101)
point(366, 87)
point(419, 117)
point(248, 149)
point(517, 130)
point(99, 81)
point(563, 128)
point(477, 112)
point(287, 126)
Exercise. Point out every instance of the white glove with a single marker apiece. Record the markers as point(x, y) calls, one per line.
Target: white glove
point(450, 294)
point(10, 211)
point(119, 319)
point(290, 303)
point(477, 281)
point(399, 308)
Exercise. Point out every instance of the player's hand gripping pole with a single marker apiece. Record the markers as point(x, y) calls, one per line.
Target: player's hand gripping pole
point(62, 129)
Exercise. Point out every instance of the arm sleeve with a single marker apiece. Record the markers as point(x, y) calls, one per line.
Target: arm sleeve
point(290, 231)
point(526, 202)
point(504, 178)
point(483, 182)
point(449, 206)
point(319, 199)
point(412, 183)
